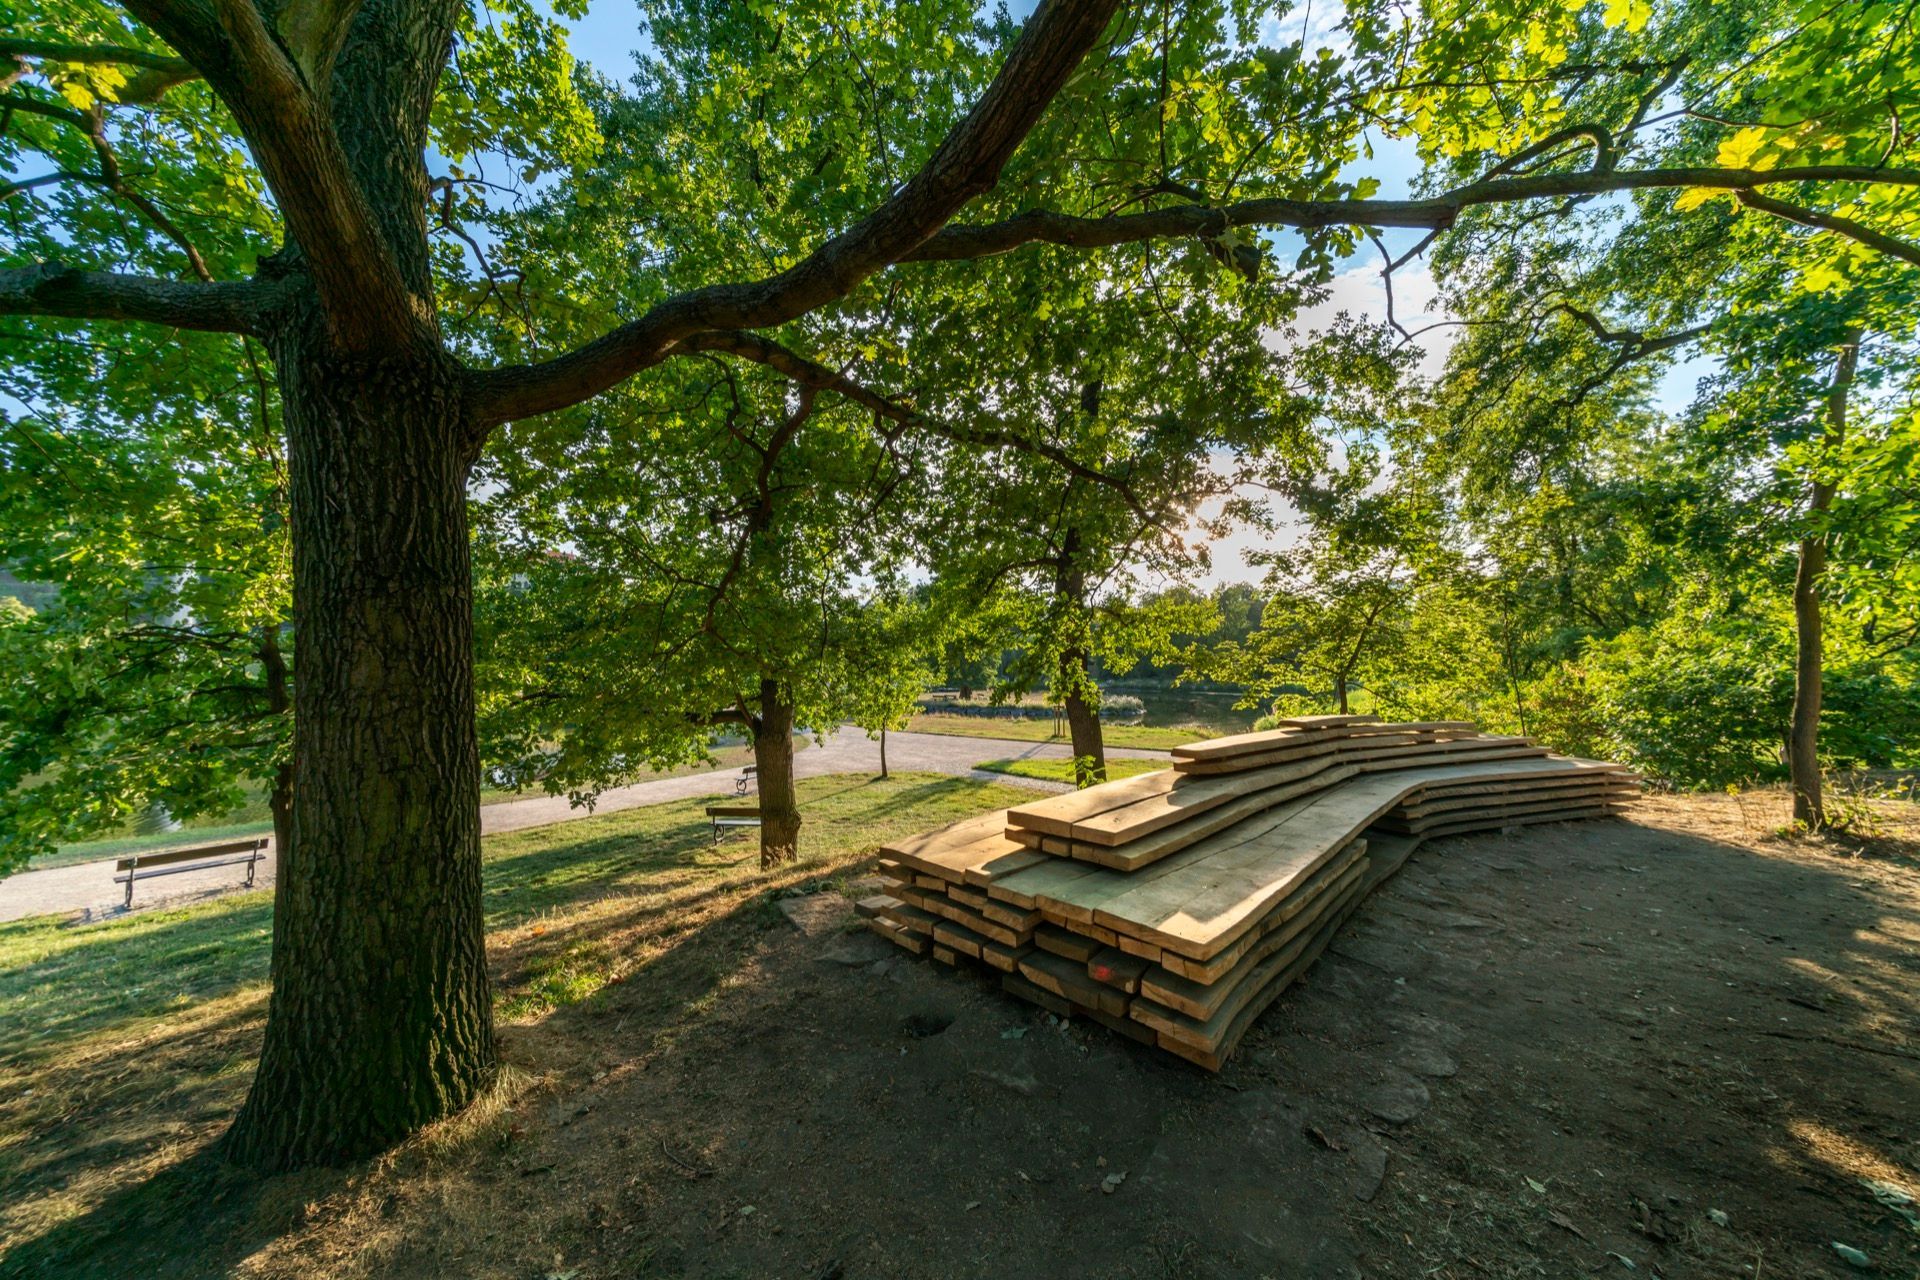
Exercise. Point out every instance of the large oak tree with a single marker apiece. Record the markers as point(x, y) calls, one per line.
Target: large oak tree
point(321, 114)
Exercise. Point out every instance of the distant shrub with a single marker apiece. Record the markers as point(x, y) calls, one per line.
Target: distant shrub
point(1121, 706)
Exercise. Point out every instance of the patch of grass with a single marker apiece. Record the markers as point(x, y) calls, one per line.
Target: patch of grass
point(1062, 770)
point(125, 1046)
point(1116, 735)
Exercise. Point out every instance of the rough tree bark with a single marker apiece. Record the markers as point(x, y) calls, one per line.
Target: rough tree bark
point(773, 753)
point(1803, 732)
point(273, 663)
point(380, 1019)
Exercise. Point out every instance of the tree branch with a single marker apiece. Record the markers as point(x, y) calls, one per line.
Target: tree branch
point(1852, 230)
point(1054, 41)
point(1439, 212)
point(49, 289)
point(90, 54)
point(810, 373)
point(289, 130)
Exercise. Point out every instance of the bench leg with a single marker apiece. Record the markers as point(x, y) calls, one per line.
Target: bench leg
point(130, 874)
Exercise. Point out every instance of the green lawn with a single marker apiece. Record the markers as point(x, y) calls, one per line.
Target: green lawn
point(1116, 735)
point(126, 1045)
point(1062, 770)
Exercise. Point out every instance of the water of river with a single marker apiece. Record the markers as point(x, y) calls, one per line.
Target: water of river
point(1214, 712)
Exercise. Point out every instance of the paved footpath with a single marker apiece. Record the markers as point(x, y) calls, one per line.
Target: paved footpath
point(88, 887)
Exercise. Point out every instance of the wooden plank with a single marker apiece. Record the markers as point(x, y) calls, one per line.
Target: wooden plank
point(1525, 820)
point(902, 937)
point(963, 915)
point(874, 905)
point(983, 874)
point(1571, 790)
point(1407, 824)
point(1014, 918)
point(1217, 1036)
point(1019, 986)
point(1216, 1058)
point(911, 918)
point(957, 936)
point(1338, 748)
point(1056, 815)
point(966, 831)
point(1002, 957)
point(1201, 913)
point(1118, 969)
point(1064, 942)
point(1070, 981)
point(1146, 850)
point(1289, 732)
point(1330, 874)
point(1202, 1000)
point(1130, 822)
point(945, 955)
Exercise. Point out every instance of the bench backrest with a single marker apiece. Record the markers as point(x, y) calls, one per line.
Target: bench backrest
point(161, 857)
point(733, 811)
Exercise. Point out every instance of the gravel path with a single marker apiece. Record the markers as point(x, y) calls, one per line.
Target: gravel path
point(88, 887)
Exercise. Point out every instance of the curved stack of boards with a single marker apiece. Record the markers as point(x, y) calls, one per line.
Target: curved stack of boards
point(1174, 906)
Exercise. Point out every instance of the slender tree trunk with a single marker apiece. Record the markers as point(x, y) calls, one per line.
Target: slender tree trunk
point(381, 1017)
point(1340, 691)
point(1076, 672)
point(1089, 744)
point(883, 752)
point(1803, 733)
point(773, 753)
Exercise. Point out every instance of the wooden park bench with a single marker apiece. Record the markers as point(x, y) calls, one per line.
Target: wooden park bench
point(200, 857)
point(732, 815)
point(748, 777)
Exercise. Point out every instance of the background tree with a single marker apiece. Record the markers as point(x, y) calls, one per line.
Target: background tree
point(157, 671)
point(636, 603)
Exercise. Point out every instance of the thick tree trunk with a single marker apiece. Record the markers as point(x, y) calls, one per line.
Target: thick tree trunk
point(773, 753)
point(381, 1016)
point(1340, 692)
point(1803, 732)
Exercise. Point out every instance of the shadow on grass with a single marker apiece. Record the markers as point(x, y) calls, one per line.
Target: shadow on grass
point(200, 1216)
point(119, 1055)
point(92, 978)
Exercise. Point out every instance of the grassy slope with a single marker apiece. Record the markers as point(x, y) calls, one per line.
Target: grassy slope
point(1117, 735)
point(1062, 770)
point(125, 1046)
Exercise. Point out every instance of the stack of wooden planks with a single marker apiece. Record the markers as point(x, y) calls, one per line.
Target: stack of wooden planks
point(1174, 906)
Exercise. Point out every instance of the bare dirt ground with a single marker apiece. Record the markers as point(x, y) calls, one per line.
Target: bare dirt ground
point(1673, 1045)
